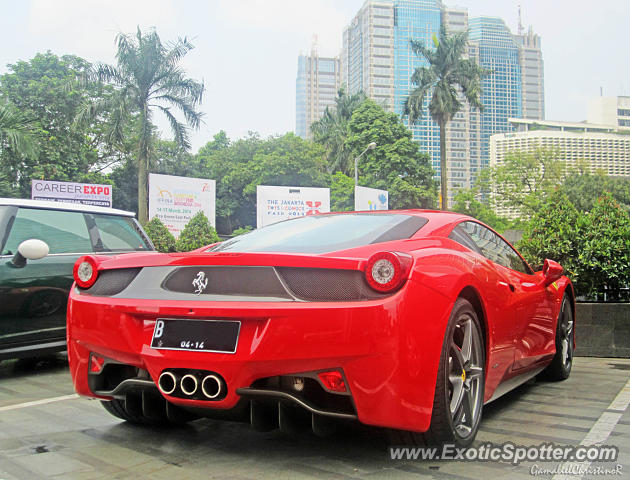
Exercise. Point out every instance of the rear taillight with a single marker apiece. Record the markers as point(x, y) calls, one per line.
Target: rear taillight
point(387, 271)
point(85, 271)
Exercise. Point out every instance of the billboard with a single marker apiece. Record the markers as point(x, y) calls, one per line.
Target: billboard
point(370, 199)
point(274, 204)
point(72, 192)
point(175, 200)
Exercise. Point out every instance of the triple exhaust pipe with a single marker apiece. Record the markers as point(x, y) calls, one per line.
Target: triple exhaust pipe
point(195, 385)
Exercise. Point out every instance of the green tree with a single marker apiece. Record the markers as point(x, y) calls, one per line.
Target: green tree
point(197, 233)
point(228, 164)
point(448, 75)
point(148, 78)
point(125, 191)
point(593, 247)
point(396, 164)
point(341, 193)
point(46, 96)
point(15, 132)
point(467, 201)
point(584, 188)
point(332, 131)
point(240, 166)
point(162, 239)
point(288, 160)
point(554, 232)
point(524, 179)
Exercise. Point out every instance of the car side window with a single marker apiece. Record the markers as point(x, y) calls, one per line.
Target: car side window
point(64, 232)
point(494, 247)
point(460, 236)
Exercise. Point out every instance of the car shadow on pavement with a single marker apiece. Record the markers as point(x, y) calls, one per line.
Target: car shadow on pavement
point(22, 367)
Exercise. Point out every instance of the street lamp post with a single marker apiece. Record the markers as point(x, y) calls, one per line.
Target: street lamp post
point(371, 146)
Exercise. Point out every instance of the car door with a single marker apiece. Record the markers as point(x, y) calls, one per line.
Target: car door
point(499, 303)
point(532, 305)
point(33, 298)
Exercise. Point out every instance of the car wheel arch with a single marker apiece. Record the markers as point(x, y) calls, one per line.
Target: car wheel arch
point(570, 292)
point(471, 294)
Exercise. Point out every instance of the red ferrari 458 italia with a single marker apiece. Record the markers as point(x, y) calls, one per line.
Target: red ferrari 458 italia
point(409, 320)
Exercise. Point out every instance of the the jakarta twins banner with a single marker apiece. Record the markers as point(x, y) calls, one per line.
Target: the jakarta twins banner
point(370, 199)
point(71, 192)
point(175, 200)
point(274, 204)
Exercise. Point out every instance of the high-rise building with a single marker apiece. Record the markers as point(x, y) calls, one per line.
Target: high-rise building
point(502, 97)
point(609, 111)
point(532, 75)
point(318, 80)
point(377, 58)
point(367, 55)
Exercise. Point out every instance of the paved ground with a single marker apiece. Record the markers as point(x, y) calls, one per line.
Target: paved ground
point(47, 432)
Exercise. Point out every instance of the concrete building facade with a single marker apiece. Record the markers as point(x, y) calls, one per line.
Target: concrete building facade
point(377, 59)
point(318, 80)
point(603, 148)
point(609, 111)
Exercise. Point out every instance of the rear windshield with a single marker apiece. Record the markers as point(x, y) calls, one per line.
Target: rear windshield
point(118, 234)
point(325, 233)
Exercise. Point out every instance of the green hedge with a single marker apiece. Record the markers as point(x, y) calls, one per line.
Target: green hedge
point(163, 240)
point(593, 247)
point(197, 233)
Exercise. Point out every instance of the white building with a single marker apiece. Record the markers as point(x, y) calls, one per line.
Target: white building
point(603, 147)
point(609, 111)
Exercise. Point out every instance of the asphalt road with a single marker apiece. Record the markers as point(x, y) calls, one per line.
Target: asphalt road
point(48, 432)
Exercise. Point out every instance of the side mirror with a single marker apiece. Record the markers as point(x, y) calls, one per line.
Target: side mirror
point(551, 272)
point(32, 249)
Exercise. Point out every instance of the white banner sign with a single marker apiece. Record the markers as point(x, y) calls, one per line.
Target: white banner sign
point(281, 203)
point(370, 199)
point(71, 192)
point(175, 200)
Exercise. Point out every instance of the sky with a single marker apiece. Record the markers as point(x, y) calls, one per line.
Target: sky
point(246, 50)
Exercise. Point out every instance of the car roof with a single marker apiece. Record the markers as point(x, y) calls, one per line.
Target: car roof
point(436, 218)
point(66, 206)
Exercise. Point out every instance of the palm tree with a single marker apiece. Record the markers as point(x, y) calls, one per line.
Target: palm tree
point(331, 130)
point(447, 76)
point(15, 131)
point(148, 77)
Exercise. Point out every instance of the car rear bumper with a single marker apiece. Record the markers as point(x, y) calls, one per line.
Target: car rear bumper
point(387, 349)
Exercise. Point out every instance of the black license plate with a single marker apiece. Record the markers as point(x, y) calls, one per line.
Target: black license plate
point(196, 335)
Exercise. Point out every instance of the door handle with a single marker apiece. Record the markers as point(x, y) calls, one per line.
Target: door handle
point(509, 285)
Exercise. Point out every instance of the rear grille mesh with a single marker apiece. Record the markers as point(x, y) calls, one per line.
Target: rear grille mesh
point(327, 285)
point(112, 282)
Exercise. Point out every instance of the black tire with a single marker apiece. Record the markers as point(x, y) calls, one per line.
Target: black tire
point(560, 367)
point(456, 421)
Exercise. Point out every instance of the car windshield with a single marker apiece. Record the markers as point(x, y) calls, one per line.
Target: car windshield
point(325, 233)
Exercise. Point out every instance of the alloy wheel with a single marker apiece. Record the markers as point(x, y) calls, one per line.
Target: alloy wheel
point(566, 335)
point(465, 376)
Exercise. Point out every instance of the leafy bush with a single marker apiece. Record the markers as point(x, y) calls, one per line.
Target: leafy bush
point(593, 247)
point(554, 232)
point(197, 233)
point(163, 240)
point(604, 255)
point(242, 230)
